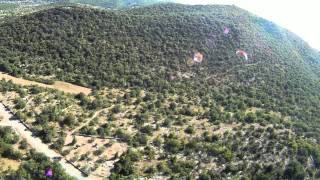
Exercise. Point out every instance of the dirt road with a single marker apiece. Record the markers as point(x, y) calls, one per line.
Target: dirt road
point(35, 142)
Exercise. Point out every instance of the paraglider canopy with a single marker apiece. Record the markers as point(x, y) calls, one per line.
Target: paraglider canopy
point(242, 54)
point(172, 76)
point(190, 62)
point(48, 172)
point(226, 30)
point(197, 57)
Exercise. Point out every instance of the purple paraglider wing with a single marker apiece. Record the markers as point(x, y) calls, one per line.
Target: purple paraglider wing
point(49, 172)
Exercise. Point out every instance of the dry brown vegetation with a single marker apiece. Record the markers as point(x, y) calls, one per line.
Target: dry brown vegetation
point(58, 85)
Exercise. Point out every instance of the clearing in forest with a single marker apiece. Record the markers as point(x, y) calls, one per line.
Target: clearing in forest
point(7, 164)
point(58, 85)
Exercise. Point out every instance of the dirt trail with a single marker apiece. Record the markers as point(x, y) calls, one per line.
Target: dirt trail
point(69, 137)
point(36, 143)
point(58, 85)
point(89, 120)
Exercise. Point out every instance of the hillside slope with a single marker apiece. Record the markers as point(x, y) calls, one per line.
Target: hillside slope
point(113, 4)
point(143, 47)
point(147, 50)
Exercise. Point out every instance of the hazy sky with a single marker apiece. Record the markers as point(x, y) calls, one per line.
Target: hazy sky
point(299, 16)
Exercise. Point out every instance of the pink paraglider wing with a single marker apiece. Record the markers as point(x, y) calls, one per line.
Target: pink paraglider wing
point(197, 57)
point(242, 53)
point(226, 30)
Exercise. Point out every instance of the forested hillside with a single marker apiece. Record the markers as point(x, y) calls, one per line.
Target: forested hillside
point(116, 4)
point(149, 49)
point(113, 4)
point(144, 46)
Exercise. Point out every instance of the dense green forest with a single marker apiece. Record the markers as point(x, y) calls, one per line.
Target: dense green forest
point(143, 47)
point(148, 48)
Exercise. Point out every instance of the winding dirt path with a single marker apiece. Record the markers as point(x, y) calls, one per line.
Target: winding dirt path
point(70, 134)
point(89, 120)
point(36, 143)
